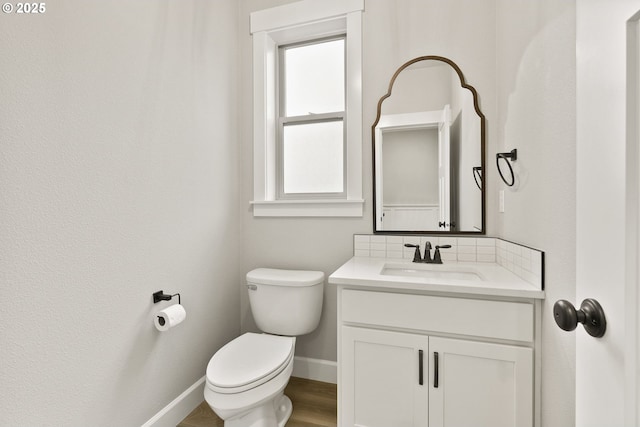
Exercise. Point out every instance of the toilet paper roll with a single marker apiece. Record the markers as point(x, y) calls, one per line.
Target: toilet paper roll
point(169, 317)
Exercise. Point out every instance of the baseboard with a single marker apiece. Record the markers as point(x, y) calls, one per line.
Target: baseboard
point(179, 408)
point(303, 367)
point(315, 369)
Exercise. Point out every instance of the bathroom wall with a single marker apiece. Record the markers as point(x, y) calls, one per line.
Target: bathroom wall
point(118, 177)
point(536, 115)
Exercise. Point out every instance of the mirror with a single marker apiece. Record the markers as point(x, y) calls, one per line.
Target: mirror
point(429, 152)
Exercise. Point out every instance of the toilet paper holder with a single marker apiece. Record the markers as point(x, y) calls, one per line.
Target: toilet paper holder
point(161, 296)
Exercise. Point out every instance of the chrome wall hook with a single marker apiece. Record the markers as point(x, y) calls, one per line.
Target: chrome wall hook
point(509, 157)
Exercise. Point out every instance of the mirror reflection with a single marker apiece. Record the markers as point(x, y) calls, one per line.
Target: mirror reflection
point(428, 142)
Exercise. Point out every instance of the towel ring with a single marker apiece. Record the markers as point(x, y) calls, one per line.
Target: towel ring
point(477, 176)
point(513, 156)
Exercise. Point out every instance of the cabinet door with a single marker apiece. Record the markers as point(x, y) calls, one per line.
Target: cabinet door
point(479, 384)
point(380, 379)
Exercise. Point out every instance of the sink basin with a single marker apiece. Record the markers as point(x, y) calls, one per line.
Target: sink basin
point(431, 271)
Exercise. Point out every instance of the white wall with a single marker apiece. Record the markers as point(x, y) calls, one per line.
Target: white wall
point(118, 178)
point(536, 114)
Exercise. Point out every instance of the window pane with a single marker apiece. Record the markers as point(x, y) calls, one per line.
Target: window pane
point(313, 158)
point(314, 78)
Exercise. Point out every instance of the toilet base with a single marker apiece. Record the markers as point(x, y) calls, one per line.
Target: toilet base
point(274, 413)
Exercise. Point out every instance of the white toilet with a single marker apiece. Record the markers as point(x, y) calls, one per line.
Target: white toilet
point(246, 378)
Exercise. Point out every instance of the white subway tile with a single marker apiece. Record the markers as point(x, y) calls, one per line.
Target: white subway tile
point(449, 256)
point(361, 238)
point(361, 245)
point(515, 249)
point(378, 246)
point(467, 241)
point(467, 257)
point(394, 247)
point(486, 257)
point(486, 250)
point(394, 254)
point(394, 239)
point(486, 241)
point(465, 249)
point(536, 262)
point(378, 254)
point(361, 252)
point(378, 239)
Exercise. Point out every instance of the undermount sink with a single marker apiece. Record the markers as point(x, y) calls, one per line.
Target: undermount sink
point(431, 271)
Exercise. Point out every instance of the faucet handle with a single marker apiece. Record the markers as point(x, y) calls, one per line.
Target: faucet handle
point(416, 254)
point(437, 259)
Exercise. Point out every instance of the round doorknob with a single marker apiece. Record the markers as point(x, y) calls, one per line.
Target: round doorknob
point(591, 315)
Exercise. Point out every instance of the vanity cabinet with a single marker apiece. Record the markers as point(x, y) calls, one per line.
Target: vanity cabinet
point(436, 361)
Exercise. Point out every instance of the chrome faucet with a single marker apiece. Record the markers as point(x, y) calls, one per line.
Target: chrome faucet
point(437, 258)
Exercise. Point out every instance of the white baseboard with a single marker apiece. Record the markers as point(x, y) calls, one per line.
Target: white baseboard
point(315, 369)
point(179, 408)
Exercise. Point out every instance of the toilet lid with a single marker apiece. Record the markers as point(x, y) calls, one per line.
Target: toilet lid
point(250, 359)
point(274, 276)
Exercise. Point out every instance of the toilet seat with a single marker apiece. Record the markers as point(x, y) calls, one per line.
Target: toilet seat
point(249, 361)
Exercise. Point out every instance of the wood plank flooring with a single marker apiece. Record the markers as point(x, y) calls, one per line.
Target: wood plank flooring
point(314, 405)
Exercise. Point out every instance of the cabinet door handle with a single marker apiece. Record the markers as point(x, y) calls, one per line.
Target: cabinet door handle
point(435, 369)
point(420, 367)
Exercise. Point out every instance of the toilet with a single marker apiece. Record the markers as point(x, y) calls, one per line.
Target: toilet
point(246, 378)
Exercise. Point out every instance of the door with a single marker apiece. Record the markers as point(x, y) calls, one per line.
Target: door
point(606, 218)
point(479, 384)
point(381, 379)
point(444, 172)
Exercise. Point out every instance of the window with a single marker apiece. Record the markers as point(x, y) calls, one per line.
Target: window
point(311, 124)
point(308, 109)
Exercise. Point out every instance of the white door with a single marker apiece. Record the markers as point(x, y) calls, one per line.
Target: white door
point(381, 379)
point(479, 384)
point(606, 378)
point(444, 171)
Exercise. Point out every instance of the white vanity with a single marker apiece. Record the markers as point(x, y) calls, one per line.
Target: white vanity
point(456, 344)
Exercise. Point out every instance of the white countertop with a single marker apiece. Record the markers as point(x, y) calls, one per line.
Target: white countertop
point(495, 280)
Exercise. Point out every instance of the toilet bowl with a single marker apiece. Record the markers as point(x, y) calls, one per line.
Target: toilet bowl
point(248, 373)
point(246, 378)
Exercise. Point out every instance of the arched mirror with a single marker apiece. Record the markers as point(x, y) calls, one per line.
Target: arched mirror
point(428, 152)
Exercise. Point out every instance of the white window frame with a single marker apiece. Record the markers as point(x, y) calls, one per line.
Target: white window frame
point(291, 23)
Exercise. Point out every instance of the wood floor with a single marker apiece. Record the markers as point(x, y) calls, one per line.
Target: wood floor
point(314, 405)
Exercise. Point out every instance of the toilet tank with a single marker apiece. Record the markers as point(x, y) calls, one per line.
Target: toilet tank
point(285, 302)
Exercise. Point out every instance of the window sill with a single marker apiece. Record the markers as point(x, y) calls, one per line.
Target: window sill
point(308, 208)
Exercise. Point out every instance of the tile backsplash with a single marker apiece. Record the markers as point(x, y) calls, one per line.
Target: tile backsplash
point(521, 260)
